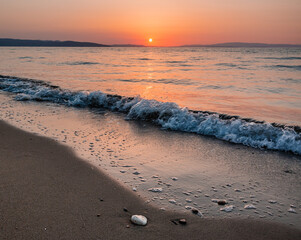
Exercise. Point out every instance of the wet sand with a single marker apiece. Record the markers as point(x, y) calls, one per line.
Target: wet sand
point(46, 192)
point(206, 169)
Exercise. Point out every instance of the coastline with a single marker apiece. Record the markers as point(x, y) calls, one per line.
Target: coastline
point(49, 193)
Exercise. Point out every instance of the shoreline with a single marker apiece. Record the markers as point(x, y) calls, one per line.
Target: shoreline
point(191, 170)
point(49, 193)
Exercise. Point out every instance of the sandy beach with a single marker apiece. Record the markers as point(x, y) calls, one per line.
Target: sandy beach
point(49, 193)
point(150, 120)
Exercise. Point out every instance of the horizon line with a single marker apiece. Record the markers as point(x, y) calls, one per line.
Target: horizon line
point(142, 45)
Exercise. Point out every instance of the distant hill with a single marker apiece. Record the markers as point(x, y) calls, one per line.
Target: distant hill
point(241, 44)
point(9, 42)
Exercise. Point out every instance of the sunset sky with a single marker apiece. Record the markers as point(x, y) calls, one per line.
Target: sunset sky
point(167, 22)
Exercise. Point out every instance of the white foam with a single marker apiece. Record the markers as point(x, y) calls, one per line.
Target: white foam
point(167, 115)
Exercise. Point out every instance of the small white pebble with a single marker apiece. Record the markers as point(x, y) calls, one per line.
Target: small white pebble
point(249, 206)
point(227, 209)
point(155, 189)
point(139, 220)
point(291, 210)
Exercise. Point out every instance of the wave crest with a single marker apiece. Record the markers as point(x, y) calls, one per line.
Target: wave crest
point(165, 114)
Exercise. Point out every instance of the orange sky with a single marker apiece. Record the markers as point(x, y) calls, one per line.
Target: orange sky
point(168, 22)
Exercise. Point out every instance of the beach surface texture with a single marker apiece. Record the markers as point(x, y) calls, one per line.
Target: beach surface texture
point(46, 192)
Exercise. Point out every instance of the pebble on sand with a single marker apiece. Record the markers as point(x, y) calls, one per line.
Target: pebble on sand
point(139, 220)
point(172, 201)
point(291, 210)
point(227, 209)
point(196, 212)
point(174, 178)
point(182, 221)
point(249, 206)
point(155, 189)
point(222, 202)
point(219, 201)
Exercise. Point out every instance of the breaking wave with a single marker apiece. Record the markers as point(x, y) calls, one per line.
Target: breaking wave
point(168, 115)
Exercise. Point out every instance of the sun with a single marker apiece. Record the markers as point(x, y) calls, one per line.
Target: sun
point(150, 40)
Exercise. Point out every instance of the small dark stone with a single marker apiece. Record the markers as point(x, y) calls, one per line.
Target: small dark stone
point(221, 202)
point(289, 171)
point(182, 221)
point(98, 215)
point(100, 199)
point(125, 209)
point(194, 211)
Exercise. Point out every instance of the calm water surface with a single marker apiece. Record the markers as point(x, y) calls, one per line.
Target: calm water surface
point(259, 83)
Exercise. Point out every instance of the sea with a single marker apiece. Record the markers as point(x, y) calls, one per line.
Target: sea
point(182, 124)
